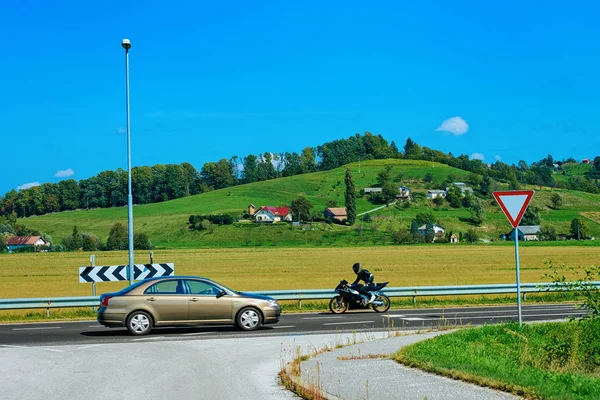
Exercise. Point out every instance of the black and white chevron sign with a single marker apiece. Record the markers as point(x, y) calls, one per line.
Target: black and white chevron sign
point(119, 272)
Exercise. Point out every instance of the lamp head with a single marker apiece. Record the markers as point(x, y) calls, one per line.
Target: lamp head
point(126, 44)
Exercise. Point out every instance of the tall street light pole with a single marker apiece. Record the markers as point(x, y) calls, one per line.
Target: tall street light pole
point(127, 45)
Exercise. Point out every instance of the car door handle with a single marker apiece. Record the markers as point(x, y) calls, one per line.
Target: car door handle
point(194, 299)
point(151, 299)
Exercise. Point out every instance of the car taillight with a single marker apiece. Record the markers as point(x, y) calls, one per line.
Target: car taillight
point(104, 301)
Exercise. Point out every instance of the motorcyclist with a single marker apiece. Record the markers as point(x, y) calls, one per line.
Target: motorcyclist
point(368, 278)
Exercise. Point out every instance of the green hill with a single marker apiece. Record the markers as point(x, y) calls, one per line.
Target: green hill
point(167, 223)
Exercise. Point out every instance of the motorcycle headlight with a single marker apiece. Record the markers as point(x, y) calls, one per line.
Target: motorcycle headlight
point(272, 303)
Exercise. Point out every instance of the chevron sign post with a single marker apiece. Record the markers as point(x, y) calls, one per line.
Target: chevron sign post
point(119, 272)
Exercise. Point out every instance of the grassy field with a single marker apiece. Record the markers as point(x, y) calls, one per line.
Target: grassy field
point(541, 361)
point(166, 223)
point(56, 274)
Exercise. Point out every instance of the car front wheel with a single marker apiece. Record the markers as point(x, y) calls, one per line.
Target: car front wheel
point(139, 323)
point(249, 319)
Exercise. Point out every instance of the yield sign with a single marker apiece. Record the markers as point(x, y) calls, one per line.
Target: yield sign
point(514, 203)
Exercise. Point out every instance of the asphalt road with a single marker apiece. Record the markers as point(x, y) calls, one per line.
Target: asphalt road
point(90, 332)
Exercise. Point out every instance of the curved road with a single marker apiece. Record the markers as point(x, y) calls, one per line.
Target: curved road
point(85, 360)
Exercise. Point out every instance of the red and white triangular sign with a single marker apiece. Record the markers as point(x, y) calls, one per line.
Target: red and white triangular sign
point(514, 203)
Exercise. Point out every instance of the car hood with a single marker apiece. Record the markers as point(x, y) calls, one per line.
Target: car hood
point(255, 296)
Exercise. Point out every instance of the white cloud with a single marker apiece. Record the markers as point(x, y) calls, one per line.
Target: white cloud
point(64, 173)
point(455, 125)
point(477, 156)
point(121, 130)
point(28, 185)
point(498, 158)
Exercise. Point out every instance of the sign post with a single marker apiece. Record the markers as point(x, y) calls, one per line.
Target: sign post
point(514, 204)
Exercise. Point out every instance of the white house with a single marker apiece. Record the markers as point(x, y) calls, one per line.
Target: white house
point(432, 194)
point(272, 214)
point(462, 186)
point(404, 192)
point(438, 231)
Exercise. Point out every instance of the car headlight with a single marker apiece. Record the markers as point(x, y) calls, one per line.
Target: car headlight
point(272, 303)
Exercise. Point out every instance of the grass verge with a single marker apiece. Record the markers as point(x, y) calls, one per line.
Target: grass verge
point(538, 361)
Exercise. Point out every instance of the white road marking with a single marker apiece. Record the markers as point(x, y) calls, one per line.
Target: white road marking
point(196, 333)
point(31, 329)
point(321, 317)
point(413, 319)
point(150, 338)
point(348, 323)
point(284, 326)
point(30, 348)
point(87, 347)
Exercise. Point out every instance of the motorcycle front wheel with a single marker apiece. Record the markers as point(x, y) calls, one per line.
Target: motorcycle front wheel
point(381, 304)
point(338, 305)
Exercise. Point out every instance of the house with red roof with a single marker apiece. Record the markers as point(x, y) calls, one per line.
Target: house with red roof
point(272, 214)
point(17, 242)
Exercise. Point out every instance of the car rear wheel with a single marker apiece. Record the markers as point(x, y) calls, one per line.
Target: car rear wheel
point(249, 319)
point(139, 323)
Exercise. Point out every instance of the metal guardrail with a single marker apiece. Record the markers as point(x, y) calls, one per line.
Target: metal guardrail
point(311, 294)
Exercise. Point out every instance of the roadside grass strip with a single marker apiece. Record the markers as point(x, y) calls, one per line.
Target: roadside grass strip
point(537, 361)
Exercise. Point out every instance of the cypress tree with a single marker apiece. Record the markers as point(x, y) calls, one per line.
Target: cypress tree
point(350, 197)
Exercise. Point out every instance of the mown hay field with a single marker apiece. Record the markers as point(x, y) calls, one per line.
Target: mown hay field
point(250, 269)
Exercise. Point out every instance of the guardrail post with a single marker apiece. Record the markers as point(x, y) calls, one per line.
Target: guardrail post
point(151, 257)
point(48, 308)
point(524, 296)
point(299, 303)
point(414, 300)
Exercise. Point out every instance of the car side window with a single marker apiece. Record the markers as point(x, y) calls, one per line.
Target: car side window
point(166, 287)
point(201, 287)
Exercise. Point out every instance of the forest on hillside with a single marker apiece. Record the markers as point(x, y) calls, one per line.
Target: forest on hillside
point(171, 181)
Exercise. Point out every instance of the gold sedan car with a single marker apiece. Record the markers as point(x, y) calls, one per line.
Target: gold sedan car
point(184, 300)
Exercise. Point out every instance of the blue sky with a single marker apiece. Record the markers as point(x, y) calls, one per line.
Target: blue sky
point(506, 80)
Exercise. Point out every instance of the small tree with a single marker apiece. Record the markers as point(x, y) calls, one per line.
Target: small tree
point(579, 229)
point(117, 238)
point(301, 207)
point(3, 247)
point(76, 237)
point(556, 200)
point(141, 241)
point(548, 233)
point(477, 211)
point(331, 203)
point(582, 286)
point(471, 236)
point(531, 216)
point(90, 242)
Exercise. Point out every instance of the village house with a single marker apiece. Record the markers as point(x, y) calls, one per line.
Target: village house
point(526, 233)
point(462, 186)
point(337, 214)
point(454, 238)
point(404, 193)
point(271, 214)
point(19, 242)
point(432, 194)
point(370, 190)
point(438, 231)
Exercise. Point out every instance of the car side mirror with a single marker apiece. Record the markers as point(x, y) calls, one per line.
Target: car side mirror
point(221, 294)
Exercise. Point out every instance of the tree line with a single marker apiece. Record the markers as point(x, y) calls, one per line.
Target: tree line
point(171, 181)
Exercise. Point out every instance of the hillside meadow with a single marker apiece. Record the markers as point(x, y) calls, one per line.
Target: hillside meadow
point(166, 223)
point(56, 274)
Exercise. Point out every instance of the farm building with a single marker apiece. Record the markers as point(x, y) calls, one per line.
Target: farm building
point(336, 213)
point(19, 242)
point(526, 233)
point(438, 231)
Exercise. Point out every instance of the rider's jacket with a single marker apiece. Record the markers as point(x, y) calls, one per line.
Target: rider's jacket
point(364, 276)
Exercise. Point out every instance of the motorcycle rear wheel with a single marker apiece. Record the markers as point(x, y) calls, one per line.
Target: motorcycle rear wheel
point(385, 306)
point(338, 305)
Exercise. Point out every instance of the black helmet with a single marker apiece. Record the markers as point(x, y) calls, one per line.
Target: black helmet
point(357, 268)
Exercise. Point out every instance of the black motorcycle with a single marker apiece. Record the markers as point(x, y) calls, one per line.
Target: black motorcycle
point(348, 297)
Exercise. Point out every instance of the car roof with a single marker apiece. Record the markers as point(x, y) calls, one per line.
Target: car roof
point(158, 278)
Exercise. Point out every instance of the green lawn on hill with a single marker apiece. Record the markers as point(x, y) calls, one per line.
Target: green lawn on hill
point(166, 223)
